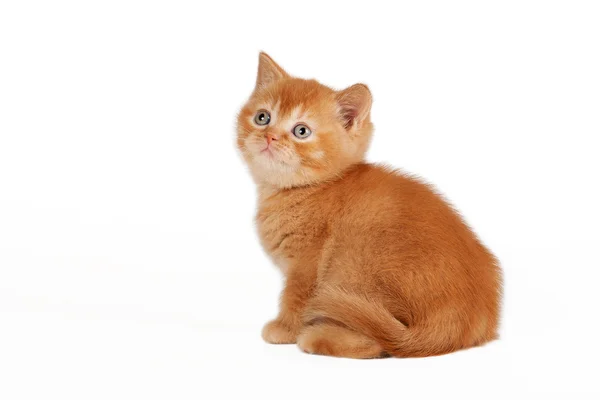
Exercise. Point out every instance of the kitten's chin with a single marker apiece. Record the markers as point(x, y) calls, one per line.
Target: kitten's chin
point(284, 176)
point(267, 169)
point(270, 168)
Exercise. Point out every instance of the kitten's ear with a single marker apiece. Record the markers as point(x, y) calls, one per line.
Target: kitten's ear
point(354, 105)
point(268, 71)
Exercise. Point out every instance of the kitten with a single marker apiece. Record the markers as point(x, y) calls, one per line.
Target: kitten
point(376, 262)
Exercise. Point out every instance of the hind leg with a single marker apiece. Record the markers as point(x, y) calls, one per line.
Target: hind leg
point(337, 341)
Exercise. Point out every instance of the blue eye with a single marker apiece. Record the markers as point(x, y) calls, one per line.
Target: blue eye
point(262, 117)
point(301, 131)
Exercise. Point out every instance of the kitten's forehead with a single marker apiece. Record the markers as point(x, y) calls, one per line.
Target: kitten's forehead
point(295, 98)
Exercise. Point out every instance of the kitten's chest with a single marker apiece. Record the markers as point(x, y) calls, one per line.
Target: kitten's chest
point(288, 234)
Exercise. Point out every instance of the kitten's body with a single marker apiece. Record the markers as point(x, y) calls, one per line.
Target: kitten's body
point(376, 262)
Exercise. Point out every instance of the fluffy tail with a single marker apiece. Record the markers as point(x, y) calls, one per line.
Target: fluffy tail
point(375, 321)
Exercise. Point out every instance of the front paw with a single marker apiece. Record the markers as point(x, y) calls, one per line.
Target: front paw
point(275, 332)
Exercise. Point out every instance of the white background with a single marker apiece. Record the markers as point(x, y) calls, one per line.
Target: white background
point(129, 265)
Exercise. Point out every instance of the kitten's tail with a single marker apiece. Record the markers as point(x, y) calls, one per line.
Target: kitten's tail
point(375, 321)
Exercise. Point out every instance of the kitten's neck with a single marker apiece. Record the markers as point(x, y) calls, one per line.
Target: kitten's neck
point(267, 191)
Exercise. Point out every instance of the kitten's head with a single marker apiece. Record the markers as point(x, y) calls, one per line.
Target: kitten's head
point(295, 132)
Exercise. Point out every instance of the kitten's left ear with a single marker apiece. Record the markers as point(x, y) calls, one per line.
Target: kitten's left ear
point(268, 71)
point(354, 105)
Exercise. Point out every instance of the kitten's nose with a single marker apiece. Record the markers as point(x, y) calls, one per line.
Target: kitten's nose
point(271, 137)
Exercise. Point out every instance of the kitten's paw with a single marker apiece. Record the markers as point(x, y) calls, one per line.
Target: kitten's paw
point(276, 332)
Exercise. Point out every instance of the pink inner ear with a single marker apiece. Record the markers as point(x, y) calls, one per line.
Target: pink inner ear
point(348, 114)
point(355, 103)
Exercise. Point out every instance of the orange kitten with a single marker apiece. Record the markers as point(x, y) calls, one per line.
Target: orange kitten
point(376, 263)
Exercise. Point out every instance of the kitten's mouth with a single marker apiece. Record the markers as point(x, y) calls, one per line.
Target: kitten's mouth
point(272, 155)
point(268, 151)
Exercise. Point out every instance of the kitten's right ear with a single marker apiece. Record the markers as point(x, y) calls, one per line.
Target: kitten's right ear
point(354, 105)
point(268, 71)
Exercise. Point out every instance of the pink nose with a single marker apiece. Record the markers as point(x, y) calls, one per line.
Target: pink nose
point(271, 138)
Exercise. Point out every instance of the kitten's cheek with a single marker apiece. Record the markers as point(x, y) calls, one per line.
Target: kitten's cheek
point(318, 155)
point(247, 147)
